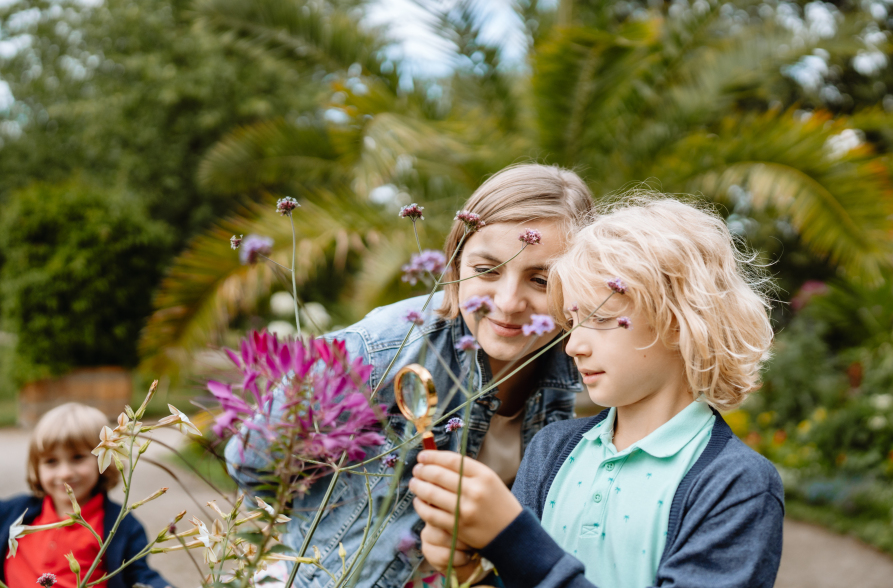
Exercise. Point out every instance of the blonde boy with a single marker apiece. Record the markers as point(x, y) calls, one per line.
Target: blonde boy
point(655, 490)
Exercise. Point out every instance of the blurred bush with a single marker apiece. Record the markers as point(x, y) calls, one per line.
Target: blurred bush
point(80, 266)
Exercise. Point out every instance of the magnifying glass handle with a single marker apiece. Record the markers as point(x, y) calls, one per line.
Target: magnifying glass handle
point(428, 441)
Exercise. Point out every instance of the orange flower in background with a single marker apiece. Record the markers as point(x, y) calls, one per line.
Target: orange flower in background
point(779, 437)
point(753, 439)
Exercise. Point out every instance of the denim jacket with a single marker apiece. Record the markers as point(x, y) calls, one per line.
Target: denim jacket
point(376, 339)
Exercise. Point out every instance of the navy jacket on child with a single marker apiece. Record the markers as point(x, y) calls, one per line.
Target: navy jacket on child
point(724, 529)
point(129, 539)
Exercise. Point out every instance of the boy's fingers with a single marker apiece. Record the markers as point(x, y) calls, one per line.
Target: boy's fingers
point(433, 494)
point(450, 460)
point(439, 475)
point(435, 536)
point(433, 516)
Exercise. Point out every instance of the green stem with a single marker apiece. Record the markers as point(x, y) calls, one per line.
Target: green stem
point(87, 526)
point(294, 283)
point(462, 449)
point(271, 261)
point(487, 271)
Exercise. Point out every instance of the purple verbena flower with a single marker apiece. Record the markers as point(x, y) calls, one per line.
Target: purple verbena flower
point(625, 322)
point(479, 305)
point(429, 261)
point(412, 211)
point(454, 424)
point(617, 285)
point(47, 580)
point(471, 220)
point(573, 308)
point(284, 206)
point(407, 542)
point(531, 237)
point(415, 317)
point(253, 246)
point(540, 324)
point(235, 242)
point(324, 398)
point(389, 461)
point(467, 343)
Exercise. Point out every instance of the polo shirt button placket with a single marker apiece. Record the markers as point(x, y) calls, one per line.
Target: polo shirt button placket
point(597, 497)
point(609, 466)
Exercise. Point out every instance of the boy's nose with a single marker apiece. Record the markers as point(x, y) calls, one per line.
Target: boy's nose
point(576, 346)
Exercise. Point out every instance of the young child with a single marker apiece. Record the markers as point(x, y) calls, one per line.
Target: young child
point(59, 453)
point(655, 490)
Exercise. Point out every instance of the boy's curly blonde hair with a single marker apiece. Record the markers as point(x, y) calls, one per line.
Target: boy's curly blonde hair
point(684, 272)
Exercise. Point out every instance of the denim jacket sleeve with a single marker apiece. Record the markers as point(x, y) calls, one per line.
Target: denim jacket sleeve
point(729, 535)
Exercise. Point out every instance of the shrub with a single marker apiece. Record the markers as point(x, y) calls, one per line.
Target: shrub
point(80, 266)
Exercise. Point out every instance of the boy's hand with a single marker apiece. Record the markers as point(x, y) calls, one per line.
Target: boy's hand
point(487, 506)
point(436, 549)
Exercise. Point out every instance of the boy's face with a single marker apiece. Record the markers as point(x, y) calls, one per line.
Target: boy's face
point(518, 288)
point(621, 367)
point(74, 467)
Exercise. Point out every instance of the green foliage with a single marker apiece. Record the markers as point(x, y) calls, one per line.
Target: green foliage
point(81, 264)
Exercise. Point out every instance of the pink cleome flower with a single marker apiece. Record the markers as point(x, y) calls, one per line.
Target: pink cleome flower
point(321, 394)
point(284, 206)
point(412, 211)
point(471, 220)
point(47, 580)
point(531, 237)
point(540, 324)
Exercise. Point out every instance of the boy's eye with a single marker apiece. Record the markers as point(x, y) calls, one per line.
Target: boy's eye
point(50, 461)
point(541, 281)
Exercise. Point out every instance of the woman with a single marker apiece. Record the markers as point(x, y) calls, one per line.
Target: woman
point(543, 198)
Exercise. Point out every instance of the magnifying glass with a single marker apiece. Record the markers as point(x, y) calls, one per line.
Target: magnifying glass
point(417, 400)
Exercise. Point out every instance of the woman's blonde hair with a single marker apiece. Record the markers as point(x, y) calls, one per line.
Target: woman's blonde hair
point(75, 427)
point(685, 274)
point(519, 193)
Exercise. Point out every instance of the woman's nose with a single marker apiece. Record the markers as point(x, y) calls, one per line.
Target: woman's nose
point(509, 299)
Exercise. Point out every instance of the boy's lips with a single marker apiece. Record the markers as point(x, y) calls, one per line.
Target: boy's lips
point(591, 376)
point(504, 329)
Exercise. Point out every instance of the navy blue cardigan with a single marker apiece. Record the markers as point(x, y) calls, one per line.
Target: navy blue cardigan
point(129, 539)
point(724, 529)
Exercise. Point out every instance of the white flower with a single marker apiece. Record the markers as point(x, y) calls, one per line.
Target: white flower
point(16, 532)
point(877, 422)
point(881, 401)
point(209, 539)
point(109, 444)
point(180, 420)
point(269, 509)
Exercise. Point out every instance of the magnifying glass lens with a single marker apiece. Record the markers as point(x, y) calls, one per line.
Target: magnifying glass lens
point(414, 394)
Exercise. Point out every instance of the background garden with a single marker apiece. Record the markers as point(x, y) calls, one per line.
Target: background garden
point(137, 136)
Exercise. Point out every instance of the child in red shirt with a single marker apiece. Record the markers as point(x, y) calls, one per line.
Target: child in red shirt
point(59, 454)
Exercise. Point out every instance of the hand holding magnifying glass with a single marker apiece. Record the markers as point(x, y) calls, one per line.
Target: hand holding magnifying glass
point(417, 400)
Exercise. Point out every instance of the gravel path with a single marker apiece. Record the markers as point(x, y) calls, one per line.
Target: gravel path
point(812, 556)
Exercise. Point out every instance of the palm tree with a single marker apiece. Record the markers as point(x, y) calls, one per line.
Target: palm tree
point(686, 100)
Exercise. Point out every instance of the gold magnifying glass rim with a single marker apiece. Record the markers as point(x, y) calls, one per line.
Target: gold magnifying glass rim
point(421, 422)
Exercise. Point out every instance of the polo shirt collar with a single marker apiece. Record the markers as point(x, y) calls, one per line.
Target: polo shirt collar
point(666, 440)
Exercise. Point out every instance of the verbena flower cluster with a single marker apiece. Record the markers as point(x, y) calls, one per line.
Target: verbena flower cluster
point(429, 261)
point(252, 247)
point(540, 324)
point(479, 305)
point(284, 206)
point(412, 211)
point(454, 424)
point(467, 343)
point(617, 286)
point(531, 237)
point(471, 220)
point(321, 396)
point(415, 317)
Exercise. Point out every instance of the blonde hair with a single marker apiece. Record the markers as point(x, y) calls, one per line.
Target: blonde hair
point(75, 427)
point(684, 273)
point(518, 193)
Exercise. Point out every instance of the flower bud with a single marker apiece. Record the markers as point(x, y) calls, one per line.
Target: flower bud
point(73, 564)
point(74, 501)
point(153, 496)
point(144, 447)
point(152, 389)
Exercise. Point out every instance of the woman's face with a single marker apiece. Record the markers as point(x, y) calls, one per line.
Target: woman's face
point(518, 289)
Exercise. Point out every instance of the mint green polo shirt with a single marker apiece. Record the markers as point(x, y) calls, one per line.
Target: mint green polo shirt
point(611, 509)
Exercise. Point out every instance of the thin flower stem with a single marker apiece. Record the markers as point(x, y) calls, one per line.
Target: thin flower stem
point(294, 283)
point(417, 242)
point(462, 449)
point(271, 261)
point(383, 377)
point(487, 271)
point(349, 572)
point(80, 521)
point(322, 507)
point(483, 391)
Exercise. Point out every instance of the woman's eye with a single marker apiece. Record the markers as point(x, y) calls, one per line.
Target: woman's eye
point(482, 269)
